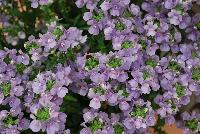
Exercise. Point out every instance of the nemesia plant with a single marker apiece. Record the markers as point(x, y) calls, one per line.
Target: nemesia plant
point(115, 67)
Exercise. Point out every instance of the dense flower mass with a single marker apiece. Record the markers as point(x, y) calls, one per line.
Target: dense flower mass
point(141, 72)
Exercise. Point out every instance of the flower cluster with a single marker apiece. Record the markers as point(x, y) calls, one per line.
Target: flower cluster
point(150, 76)
point(154, 66)
point(35, 82)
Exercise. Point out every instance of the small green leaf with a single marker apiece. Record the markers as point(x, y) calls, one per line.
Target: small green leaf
point(115, 62)
point(43, 114)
